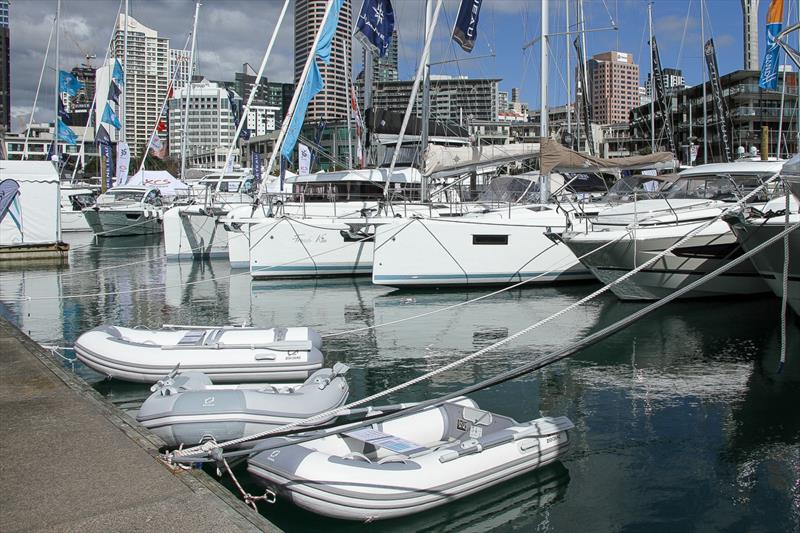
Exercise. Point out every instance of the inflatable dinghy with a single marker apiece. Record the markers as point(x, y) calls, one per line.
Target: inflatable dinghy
point(189, 409)
point(409, 464)
point(225, 354)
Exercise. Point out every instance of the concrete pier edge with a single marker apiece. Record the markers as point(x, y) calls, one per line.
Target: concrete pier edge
point(237, 513)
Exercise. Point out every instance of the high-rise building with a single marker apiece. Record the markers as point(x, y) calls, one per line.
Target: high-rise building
point(453, 99)
point(209, 123)
point(272, 97)
point(146, 79)
point(673, 81)
point(78, 106)
point(5, 68)
point(384, 68)
point(179, 68)
point(613, 86)
point(332, 102)
point(750, 34)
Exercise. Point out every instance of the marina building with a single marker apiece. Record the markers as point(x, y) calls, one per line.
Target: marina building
point(384, 68)
point(78, 106)
point(146, 79)
point(453, 99)
point(613, 86)
point(749, 107)
point(672, 78)
point(209, 122)
point(5, 67)
point(270, 103)
point(332, 102)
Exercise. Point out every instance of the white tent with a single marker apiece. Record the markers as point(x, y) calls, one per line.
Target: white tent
point(39, 203)
point(168, 184)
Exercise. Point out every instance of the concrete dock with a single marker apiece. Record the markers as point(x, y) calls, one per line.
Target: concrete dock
point(71, 461)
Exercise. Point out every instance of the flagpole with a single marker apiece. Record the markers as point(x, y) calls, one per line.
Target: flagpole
point(56, 156)
point(123, 136)
point(569, 73)
point(38, 87)
point(705, 111)
point(188, 95)
point(260, 74)
point(287, 119)
point(652, 81)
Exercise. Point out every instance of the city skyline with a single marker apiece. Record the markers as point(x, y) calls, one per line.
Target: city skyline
point(230, 34)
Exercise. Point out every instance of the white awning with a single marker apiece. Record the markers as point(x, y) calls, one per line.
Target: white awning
point(376, 175)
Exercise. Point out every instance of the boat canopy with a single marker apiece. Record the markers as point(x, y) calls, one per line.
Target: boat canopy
point(443, 161)
point(376, 175)
point(555, 156)
point(168, 184)
point(32, 209)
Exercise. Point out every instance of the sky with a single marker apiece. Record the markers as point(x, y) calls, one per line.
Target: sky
point(233, 32)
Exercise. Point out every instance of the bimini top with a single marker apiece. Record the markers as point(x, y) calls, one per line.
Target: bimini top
point(745, 166)
point(377, 175)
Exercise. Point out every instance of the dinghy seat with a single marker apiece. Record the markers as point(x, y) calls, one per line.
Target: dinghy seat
point(192, 337)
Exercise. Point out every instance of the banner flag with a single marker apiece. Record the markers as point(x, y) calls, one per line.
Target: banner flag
point(662, 98)
point(769, 67)
point(157, 147)
point(375, 25)
point(256, 159)
point(313, 83)
point(303, 159)
point(68, 83)
point(65, 133)
point(123, 162)
point(720, 107)
point(117, 76)
point(109, 117)
point(466, 29)
point(113, 93)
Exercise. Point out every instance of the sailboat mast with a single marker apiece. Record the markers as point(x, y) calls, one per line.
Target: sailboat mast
point(569, 69)
point(705, 110)
point(426, 104)
point(122, 132)
point(652, 81)
point(56, 156)
point(543, 132)
point(188, 95)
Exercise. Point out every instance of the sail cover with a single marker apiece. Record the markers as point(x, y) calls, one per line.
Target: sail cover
point(442, 161)
point(557, 157)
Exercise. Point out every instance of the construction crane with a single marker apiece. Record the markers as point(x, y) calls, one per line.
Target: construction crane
point(88, 56)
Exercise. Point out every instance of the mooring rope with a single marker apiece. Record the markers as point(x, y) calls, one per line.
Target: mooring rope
point(785, 286)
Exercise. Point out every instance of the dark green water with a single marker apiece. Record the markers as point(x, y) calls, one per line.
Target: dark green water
point(682, 421)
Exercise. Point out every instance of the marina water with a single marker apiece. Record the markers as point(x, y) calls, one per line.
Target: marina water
point(683, 422)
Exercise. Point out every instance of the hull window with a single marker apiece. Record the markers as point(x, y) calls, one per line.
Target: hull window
point(490, 239)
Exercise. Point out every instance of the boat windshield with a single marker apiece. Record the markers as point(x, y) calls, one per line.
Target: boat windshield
point(352, 191)
point(128, 197)
point(508, 189)
point(79, 201)
point(637, 187)
point(726, 188)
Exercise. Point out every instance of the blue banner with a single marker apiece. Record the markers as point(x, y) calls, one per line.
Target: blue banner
point(107, 152)
point(65, 133)
point(109, 117)
point(769, 68)
point(68, 83)
point(117, 75)
point(375, 25)
point(466, 29)
point(328, 32)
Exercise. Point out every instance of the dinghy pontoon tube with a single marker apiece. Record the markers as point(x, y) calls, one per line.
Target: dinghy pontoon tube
point(189, 409)
point(411, 463)
point(226, 354)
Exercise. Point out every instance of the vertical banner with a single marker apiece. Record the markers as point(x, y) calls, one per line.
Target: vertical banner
point(586, 109)
point(720, 108)
point(123, 162)
point(663, 99)
point(255, 158)
point(769, 67)
point(465, 30)
point(303, 159)
point(108, 156)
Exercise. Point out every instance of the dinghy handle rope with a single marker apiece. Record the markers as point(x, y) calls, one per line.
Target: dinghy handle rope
point(208, 447)
point(536, 364)
point(248, 498)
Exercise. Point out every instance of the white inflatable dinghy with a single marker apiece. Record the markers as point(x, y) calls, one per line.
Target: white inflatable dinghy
point(409, 464)
point(226, 354)
point(189, 409)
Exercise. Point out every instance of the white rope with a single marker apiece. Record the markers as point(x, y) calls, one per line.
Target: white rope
point(208, 447)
